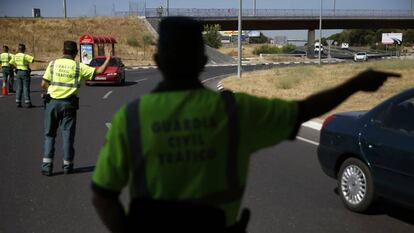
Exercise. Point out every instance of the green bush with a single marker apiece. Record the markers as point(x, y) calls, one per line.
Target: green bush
point(266, 49)
point(288, 48)
point(132, 41)
point(269, 49)
point(212, 36)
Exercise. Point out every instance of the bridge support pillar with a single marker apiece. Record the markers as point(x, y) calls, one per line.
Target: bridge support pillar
point(311, 42)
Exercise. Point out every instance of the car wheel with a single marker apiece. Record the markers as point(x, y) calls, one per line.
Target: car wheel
point(355, 185)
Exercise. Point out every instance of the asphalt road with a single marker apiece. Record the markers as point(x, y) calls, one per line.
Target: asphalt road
point(287, 191)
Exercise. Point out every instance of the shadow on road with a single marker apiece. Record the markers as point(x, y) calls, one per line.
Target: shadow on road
point(77, 170)
point(392, 209)
point(97, 85)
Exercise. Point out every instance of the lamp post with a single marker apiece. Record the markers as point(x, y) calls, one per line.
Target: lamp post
point(168, 7)
point(254, 7)
point(334, 7)
point(64, 8)
point(239, 50)
point(320, 33)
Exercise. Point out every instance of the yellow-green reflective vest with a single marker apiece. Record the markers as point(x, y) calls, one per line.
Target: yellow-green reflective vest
point(226, 185)
point(5, 59)
point(64, 78)
point(22, 61)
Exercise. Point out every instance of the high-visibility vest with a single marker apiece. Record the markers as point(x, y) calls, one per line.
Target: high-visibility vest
point(21, 61)
point(234, 190)
point(5, 59)
point(64, 78)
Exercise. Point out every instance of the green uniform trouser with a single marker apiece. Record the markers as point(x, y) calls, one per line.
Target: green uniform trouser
point(63, 113)
point(23, 86)
point(7, 76)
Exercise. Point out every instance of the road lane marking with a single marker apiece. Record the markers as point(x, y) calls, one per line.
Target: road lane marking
point(313, 125)
point(107, 95)
point(140, 80)
point(108, 125)
point(215, 77)
point(308, 141)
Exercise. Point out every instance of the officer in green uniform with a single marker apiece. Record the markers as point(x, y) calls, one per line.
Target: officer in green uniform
point(21, 61)
point(62, 81)
point(184, 145)
point(5, 59)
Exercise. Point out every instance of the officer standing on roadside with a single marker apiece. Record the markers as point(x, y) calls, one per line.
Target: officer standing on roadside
point(189, 147)
point(21, 61)
point(62, 81)
point(5, 59)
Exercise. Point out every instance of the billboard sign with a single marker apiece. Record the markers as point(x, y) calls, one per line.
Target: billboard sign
point(391, 38)
point(86, 53)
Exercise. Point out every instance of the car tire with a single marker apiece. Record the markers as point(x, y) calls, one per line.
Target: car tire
point(355, 185)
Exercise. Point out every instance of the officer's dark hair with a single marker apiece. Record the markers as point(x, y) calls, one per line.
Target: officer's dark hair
point(180, 48)
point(5, 48)
point(70, 48)
point(22, 47)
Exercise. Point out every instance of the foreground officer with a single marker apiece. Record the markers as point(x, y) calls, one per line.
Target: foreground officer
point(62, 81)
point(21, 61)
point(184, 147)
point(5, 59)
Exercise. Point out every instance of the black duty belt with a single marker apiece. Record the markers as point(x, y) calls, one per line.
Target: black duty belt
point(73, 97)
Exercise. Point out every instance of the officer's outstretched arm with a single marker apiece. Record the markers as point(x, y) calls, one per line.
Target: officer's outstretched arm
point(102, 68)
point(322, 102)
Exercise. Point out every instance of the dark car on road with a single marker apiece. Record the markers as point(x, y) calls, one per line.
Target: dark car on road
point(371, 153)
point(113, 74)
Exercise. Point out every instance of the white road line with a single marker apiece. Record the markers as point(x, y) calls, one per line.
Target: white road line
point(140, 80)
point(107, 95)
point(308, 141)
point(108, 125)
point(215, 77)
point(313, 125)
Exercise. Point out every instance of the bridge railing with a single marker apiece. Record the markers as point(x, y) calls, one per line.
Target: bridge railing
point(233, 12)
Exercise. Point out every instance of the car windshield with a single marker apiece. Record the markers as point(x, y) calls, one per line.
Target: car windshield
point(100, 61)
point(361, 53)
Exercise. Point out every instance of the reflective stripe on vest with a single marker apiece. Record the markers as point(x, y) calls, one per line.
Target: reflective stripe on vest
point(60, 84)
point(234, 191)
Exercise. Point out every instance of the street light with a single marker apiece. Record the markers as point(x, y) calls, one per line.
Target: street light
point(320, 33)
point(168, 7)
point(254, 7)
point(64, 8)
point(239, 51)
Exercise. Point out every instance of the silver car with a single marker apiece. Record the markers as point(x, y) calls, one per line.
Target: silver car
point(361, 56)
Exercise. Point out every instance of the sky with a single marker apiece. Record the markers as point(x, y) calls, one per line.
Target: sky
point(54, 8)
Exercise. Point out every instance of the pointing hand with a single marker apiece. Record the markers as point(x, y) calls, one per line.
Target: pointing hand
point(371, 80)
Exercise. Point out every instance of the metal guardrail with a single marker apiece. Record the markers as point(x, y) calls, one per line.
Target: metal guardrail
point(233, 12)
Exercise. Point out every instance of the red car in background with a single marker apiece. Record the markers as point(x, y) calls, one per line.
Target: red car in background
point(113, 74)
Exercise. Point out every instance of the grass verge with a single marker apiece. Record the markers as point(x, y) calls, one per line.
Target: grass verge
point(301, 81)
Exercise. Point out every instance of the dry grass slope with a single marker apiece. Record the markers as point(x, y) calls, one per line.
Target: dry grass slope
point(302, 81)
point(44, 37)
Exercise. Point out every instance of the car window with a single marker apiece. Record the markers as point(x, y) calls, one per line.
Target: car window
point(401, 117)
point(100, 61)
